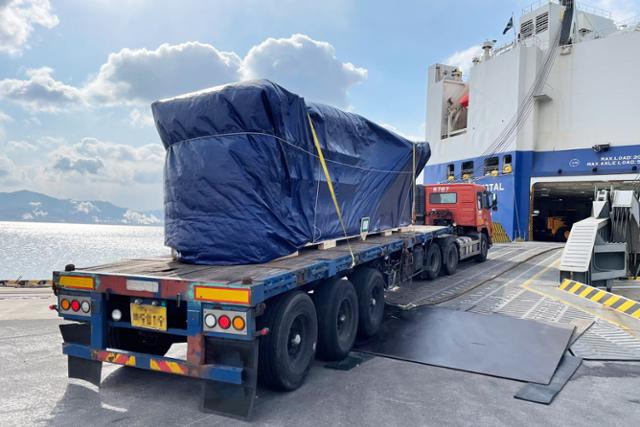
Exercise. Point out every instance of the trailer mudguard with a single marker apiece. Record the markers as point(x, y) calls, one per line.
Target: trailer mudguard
point(234, 400)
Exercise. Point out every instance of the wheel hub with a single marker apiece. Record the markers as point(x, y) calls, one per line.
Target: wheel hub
point(296, 340)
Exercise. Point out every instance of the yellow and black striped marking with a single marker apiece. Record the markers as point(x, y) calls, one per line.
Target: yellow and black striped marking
point(613, 301)
point(499, 235)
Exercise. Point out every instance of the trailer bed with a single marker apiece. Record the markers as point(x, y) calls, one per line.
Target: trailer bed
point(309, 265)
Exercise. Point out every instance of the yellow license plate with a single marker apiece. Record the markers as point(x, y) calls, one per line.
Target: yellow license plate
point(149, 316)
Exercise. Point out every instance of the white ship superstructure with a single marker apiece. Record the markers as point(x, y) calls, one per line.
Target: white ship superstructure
point(542, 120)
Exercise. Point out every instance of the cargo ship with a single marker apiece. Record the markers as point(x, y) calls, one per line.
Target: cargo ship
point(542, 121)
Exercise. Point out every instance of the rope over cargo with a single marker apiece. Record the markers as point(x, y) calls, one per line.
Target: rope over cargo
point(242, 183)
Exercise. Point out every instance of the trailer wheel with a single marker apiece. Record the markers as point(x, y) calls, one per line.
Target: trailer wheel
point(139, 341)
point(369, 285)
point(484, 249)
point(287, 351)
point(432, 263)
point(337, 305)
point(450, 258)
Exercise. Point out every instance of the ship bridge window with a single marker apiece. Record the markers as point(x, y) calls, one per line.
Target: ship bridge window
point(542, 22)
point(491, 165)
point(467, 169)
point(506, 164)
point(451, 172)
point(526, 28)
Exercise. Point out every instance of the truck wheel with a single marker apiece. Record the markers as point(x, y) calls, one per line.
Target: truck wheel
point(287, 351)
point(450, 258)
point(432, 263)
point(337, 305)
point(369, 285)
point(139, 342)
point(484, 249)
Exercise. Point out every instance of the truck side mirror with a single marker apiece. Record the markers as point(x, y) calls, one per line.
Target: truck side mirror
point(494, 202)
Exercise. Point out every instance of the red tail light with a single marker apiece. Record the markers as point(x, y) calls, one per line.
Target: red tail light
point(224, 322)
point(75, 305)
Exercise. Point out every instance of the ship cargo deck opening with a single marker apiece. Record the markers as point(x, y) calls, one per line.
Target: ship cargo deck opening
point(557, 205)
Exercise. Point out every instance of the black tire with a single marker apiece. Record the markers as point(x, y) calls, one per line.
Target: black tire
point(432, 262)
point(484, 249)
point(287, 351)
point(450, 258)
point(369, 284)
point(139, 341)
point(337, 305)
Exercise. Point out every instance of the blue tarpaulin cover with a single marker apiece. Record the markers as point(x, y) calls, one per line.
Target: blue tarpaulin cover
point(243, 181)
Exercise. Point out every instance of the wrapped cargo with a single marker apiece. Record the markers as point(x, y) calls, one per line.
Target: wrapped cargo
point(244, 183)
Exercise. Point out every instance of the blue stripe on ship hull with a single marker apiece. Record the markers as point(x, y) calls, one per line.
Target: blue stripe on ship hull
point(513, 189)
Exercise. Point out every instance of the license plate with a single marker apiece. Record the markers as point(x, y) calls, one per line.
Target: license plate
point(149, 316)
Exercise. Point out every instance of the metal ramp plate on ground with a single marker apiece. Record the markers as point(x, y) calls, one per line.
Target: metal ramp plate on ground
point(526, 292)
point(494, 345)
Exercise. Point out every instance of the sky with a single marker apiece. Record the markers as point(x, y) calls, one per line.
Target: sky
point(77, 77)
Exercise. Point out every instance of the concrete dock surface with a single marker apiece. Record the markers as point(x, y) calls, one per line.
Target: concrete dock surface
point(35, 389)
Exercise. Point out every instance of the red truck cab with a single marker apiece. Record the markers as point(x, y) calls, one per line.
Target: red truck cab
point(465, 206)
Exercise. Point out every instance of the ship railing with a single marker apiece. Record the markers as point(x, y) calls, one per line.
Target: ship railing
point(536, 4)
point(594, 10)
point(579, 5)
point(504, 48)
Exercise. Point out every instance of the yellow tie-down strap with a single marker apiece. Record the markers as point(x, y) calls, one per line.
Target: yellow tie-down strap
point(327, 176)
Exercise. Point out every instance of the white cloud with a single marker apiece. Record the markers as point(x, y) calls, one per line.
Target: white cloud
point(140, 119)
point(21, 146)
point(139, 76)
point(104, 161)
point(32, 121)
point(41, 92)
point(305, 66)
point(81, 165)
point(6, 166)
point(5, 118)
point(9, 173)
point(87, 170)
point(17, 21)
point(462, 58)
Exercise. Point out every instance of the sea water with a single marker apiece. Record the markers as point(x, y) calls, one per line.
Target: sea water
point(32, 250)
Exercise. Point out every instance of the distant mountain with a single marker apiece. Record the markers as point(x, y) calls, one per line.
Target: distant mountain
point(30, 206)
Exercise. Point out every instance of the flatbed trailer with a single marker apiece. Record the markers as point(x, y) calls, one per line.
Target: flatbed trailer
point(241, 321)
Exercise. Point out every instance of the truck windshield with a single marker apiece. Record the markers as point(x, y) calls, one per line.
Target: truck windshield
point(441, 198)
